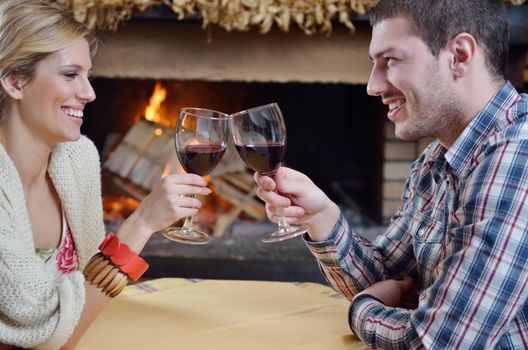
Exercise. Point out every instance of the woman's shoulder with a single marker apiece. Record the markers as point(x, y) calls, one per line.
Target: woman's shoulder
point(81, 156)
point(83, 146)
point(80, 151)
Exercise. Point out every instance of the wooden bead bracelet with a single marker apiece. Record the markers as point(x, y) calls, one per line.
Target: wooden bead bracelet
point(111, 268)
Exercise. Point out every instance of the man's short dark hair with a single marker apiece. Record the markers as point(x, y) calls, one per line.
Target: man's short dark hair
point(438, 21)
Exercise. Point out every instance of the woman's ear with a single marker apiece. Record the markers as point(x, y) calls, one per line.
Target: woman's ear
point(462, 49)
point(12, 86)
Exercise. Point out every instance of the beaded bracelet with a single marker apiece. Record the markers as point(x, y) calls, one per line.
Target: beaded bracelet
point(101, 272)
point(111, 268)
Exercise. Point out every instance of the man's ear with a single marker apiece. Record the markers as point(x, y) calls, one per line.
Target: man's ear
point(462, 49)
point(12, 85)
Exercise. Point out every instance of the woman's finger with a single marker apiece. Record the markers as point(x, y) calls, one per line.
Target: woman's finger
point(186, 179)
point(187, 202)
point(179, 190)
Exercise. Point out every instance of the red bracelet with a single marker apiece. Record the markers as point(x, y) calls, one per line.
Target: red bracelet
point(120, 254)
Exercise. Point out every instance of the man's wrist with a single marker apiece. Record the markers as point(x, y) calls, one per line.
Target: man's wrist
point(324, 223)
point(356, 302)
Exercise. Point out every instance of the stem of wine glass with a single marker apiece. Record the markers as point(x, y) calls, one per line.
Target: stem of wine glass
point(283, 225)
point(188, 224)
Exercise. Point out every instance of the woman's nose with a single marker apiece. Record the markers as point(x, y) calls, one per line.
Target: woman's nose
point(86, 93)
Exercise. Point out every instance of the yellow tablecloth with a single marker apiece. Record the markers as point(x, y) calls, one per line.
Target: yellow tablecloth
point(173, 313)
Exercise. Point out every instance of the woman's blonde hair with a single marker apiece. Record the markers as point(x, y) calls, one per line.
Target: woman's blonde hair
point(30, 30)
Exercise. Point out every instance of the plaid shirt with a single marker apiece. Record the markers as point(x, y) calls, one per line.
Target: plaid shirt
point(461, 232)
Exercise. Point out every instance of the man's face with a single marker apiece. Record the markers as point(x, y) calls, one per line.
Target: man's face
point(411, 81)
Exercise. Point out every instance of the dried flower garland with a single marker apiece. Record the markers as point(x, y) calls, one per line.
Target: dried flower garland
point(310, 15)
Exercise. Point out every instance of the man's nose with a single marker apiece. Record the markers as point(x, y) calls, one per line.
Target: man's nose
point(377, 83)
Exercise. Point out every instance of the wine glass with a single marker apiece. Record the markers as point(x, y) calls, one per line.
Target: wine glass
point(260, 139)
point(201, 140)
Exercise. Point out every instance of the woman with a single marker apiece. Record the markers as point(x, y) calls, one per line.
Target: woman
point(50, 203)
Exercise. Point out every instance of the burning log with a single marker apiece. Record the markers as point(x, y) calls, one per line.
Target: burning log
point(240, 199)
point(142, 155)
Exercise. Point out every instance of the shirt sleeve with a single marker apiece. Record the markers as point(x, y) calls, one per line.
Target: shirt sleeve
point(351, 263)
point(479, 289)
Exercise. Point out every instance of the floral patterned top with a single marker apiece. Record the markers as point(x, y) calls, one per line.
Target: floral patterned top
point(64, 258)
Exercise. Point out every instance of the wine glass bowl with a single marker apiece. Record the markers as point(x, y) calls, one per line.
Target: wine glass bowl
point(201, 140)
point(260, 139)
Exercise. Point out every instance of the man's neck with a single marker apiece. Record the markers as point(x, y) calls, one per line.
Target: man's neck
point(476, 95)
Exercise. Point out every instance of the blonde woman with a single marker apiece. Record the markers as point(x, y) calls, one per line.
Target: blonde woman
point(50, 203)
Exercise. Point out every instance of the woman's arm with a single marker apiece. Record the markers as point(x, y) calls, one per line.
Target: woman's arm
point(169, 202)
point(94, 303)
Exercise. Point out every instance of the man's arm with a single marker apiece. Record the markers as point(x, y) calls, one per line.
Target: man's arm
point(352, 263)
point(479, 289)
point(349, 262)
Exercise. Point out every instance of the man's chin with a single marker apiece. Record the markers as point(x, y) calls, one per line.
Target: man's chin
point(404, 134)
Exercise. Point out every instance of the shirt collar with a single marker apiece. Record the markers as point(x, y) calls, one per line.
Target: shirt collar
point(479, 129)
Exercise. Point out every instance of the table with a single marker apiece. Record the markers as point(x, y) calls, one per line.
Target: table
point(174, 313)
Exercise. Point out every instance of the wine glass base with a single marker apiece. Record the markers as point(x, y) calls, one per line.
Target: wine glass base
point(186, 235)
point(284, 233)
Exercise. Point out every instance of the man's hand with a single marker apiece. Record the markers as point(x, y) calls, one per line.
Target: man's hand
point(302, 201)
point(391, 292)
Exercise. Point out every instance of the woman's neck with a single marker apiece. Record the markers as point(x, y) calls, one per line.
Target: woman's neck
point(29, 154)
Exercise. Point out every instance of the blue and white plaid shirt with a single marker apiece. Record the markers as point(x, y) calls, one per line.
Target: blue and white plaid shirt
point(461, 232)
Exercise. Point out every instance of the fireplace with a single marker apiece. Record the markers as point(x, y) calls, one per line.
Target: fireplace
point(336, 133)
point(332, 135)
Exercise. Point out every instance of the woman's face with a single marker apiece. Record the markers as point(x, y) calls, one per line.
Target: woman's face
point(52, 103)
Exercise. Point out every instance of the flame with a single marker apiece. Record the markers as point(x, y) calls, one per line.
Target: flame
point(152, 112)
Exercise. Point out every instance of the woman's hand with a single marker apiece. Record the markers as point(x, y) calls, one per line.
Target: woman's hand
point(303, 202)
point(170, 201)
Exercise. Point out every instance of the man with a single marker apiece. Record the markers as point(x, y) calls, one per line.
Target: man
point(460, 237)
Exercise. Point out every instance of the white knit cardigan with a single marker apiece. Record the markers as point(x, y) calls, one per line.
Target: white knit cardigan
point(37, 308)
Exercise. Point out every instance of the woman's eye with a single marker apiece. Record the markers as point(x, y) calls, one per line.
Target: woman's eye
point(70, 75)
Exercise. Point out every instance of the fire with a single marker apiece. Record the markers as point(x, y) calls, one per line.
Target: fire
point(152, 112)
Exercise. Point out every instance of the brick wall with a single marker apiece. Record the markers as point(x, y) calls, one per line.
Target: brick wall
point(397, 160)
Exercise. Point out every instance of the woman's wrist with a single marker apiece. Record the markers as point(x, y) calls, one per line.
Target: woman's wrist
point(134, 232)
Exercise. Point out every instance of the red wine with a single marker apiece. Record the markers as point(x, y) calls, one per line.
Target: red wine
point(264, 157)
point(200, 159)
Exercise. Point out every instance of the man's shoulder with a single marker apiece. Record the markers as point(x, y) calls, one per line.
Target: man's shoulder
point(515, 125)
